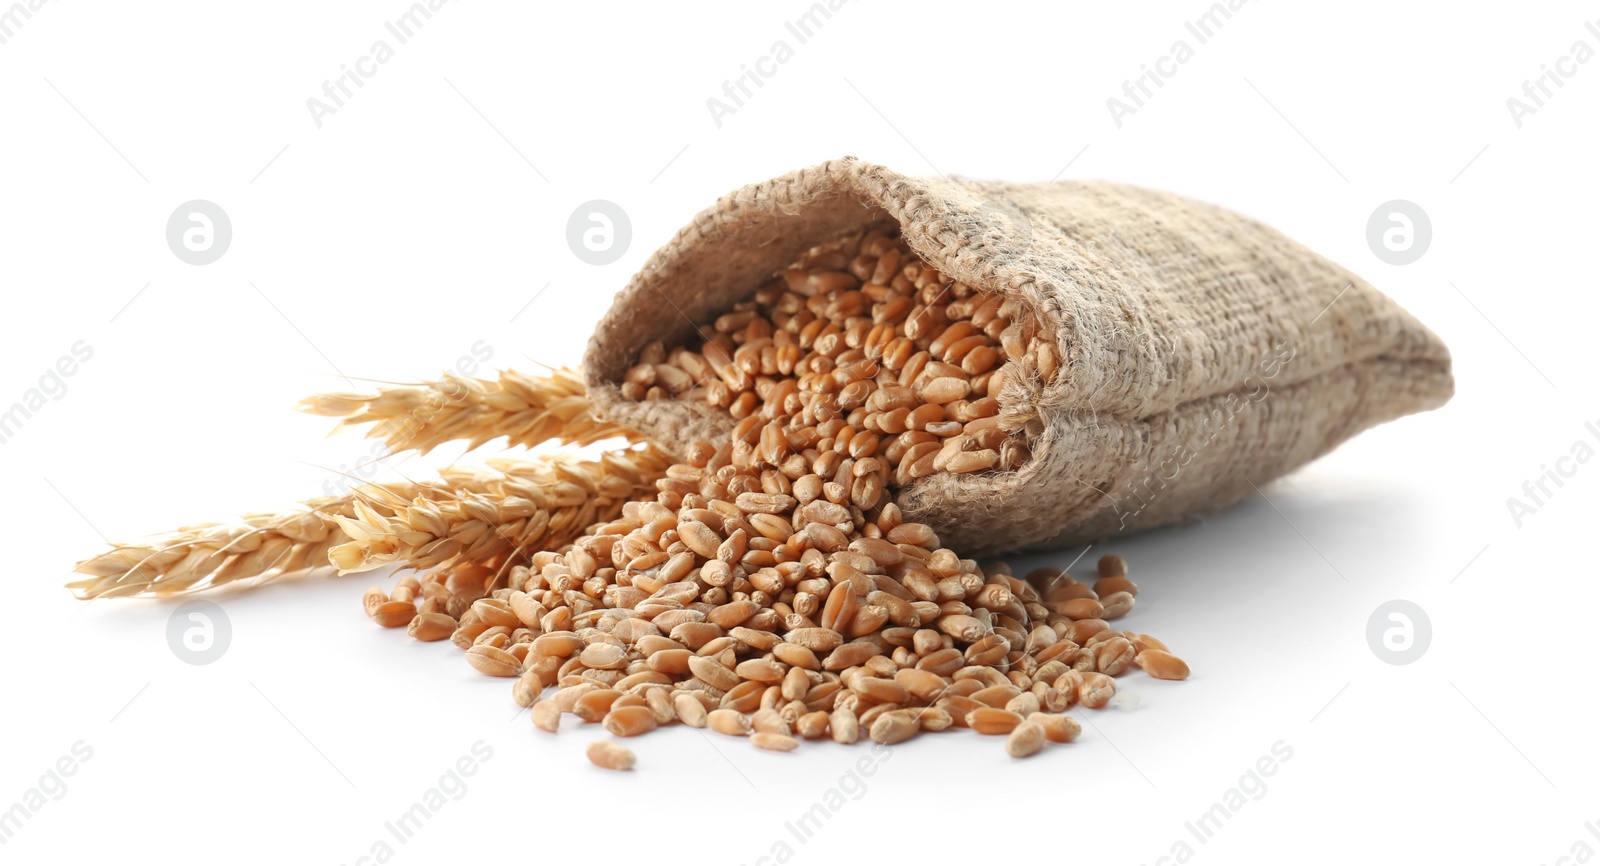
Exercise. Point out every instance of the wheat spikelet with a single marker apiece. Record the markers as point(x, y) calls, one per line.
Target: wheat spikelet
point(526, 507)
point(467, 515)
point(526, 409)
point(208, 555)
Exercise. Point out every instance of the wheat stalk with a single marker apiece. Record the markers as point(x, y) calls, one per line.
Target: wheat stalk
point(528, 506)
point(208, 555)
point(526, 409)
point(472, 515)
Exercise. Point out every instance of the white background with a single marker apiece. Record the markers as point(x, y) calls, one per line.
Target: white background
point(431, 209)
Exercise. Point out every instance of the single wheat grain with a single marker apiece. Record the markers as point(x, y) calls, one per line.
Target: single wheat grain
point(1025, 740)
point(610, 756)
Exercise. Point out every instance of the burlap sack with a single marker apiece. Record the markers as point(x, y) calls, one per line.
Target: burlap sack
point(1202, 352)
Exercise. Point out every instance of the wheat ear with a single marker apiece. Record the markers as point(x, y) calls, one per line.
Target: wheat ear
point(209, 555)
point(525, 505)
point(526, 409)
point(528, 506)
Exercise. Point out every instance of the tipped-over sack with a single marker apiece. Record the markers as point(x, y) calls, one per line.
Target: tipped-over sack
point(1201, 353)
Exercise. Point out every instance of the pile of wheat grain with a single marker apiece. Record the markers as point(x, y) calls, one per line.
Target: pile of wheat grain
point(767, 586)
